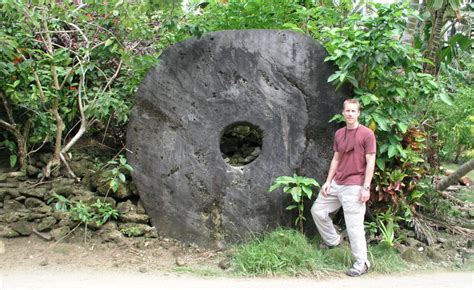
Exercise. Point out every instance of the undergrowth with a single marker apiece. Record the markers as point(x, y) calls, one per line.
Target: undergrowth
point(288, 252)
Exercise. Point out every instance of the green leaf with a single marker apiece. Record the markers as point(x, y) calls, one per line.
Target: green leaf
point(401, 151)
point(285, 179)
point(13, 160)
point(392, 150)
point(334, 76)
point(108, 42)
point(290, 207)
point(445, 98)
point(307, 190)
point(274, 186)
point(122, 177)
point(294, 27)
point(296, 193)
point(403, 127)
point(380, 164)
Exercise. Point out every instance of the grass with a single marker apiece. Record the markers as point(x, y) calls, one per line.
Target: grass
point(288, 252)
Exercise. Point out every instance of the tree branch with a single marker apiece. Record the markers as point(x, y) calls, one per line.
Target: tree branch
point(453, 178)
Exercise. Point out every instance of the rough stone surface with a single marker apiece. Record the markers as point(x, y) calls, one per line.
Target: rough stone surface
point(46, 224)
point(32, 202)
point(132, 217)
point(59, 233)
point(8, 232)
point(12, 205)
point(275, 80)
point(22, 227)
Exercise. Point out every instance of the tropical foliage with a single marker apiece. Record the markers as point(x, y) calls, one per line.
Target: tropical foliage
point(71, 67)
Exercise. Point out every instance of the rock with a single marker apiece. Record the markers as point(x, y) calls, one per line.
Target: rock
point(44, 263)
point(132, 217)
point(8, 232)
point(434, 255)
point(151, 232)
point(14, 216)
point(45, 157)
point(81, 167)
point(44, 236)
point(43, 209)
point(65, 191)
point(111, 235)
point(143, 269)
point(180, 262)
point(32, 202)
point(46, 224)
point(225, 264)
point(66, 220)
point(132, 229)
point(101, 181)
point(8, 185)
point(32, 171)
point(125, 207)
point(272, 82)
point(140, 208)
point(38, 192)
point(60, 232)
point(412, 255)
point(16, 174)
point(2, 248)
point(11, 192)
point(411, 242)
point(22, 227)
point(3, 177)
point(32, 216)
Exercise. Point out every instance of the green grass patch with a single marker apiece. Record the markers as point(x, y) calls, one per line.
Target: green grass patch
point(281, 251)
point(466, 194)
point(288, 252)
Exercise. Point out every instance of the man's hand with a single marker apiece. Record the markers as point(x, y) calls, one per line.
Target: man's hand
point(364, 195)
point(325, 189)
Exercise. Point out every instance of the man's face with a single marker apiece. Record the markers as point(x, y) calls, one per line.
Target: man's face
point(351, 113)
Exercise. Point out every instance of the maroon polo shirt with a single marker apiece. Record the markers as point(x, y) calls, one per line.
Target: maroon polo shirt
point(352, 146)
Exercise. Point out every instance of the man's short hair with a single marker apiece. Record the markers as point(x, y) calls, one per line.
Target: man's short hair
point(352, 101)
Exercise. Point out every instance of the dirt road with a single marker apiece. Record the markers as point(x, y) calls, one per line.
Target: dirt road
point(47, 279)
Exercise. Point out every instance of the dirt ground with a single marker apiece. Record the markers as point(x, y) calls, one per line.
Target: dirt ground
point(32, 263)
point(140, 255)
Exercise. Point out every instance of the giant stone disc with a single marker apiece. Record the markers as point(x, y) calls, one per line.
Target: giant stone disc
point(273, 81)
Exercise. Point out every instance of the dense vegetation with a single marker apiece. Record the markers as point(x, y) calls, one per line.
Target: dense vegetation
point(71, 68)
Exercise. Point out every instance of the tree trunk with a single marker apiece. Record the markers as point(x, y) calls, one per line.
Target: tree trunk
point(12, 127)
point(453, 178)
point(20, 143)
point(432, 51)
point(408, 36)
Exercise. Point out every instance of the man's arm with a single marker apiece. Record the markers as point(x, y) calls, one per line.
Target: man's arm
point(332, 171)
point(369, 173)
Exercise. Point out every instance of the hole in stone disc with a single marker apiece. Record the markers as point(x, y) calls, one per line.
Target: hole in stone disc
point(241, 143)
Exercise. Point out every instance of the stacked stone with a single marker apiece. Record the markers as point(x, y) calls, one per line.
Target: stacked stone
point(26, 207)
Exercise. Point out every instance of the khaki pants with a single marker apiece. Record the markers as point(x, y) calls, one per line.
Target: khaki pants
point(354, 211)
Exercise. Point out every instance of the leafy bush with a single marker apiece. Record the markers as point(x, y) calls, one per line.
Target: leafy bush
point(299, 187)
point(66, 67)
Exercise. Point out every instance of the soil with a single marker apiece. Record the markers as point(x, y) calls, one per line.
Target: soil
point(31, 263)
point(132, 255)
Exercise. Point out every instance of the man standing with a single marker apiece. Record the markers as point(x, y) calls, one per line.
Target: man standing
point(348, 184)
